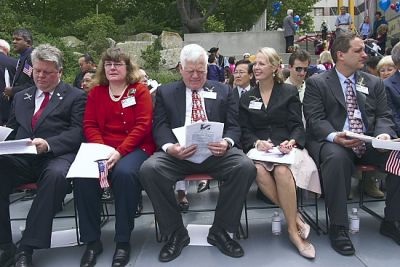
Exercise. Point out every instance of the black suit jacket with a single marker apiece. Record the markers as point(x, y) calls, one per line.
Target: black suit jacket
point(21, 79)
point(281, 120)
point(392, 85)
point(60, 123)
point(9, 63)
point(325, 111)
point(170, 110)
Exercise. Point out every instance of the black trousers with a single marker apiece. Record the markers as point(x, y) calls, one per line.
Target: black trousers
point(49, 173)
point(337, 165)
point(125, 184)
point(160, 172)
point(289, 42)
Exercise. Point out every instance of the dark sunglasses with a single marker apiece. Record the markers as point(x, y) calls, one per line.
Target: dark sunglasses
point(299, 69)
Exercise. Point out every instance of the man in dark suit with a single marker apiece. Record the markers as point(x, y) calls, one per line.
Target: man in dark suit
point(7, 71)
point(86, 63)
point(343, 99)
point(174, 108)
point(392, 85)
point(22, 42)
point(51, 114)
point(242, 77)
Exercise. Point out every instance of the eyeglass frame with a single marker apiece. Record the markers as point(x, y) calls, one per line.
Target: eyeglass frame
point(299, 69)
point(117, 65)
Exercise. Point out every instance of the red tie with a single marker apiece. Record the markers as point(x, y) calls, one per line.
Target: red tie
point(36, 116)
point(197, 108)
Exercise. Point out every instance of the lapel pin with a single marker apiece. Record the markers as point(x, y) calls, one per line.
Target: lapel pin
point(27, 96)
point(60, 98)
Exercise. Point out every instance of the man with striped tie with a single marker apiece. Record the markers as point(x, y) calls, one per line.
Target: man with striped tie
point(346, 99)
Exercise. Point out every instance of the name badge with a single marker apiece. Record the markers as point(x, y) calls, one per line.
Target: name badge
point(357, 114)
point(362, 89)
point(210, 95)
point(255, 105)
point(129, 101)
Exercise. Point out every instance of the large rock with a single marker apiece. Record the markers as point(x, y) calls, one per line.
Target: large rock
point(134, 49)
point(171, 40)
point(71, 41)
point(145, 36)
point(170, 58)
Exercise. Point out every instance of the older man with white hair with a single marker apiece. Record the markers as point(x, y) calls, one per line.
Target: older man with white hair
point(289, 29)
point(182, 103)
point(7, 71)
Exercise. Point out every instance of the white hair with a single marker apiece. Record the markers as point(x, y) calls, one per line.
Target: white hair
point(193, 53)
point(290, 12)
point(5, 46)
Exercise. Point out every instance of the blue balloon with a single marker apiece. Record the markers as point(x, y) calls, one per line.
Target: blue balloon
point(296, 27)
point(384, 4)
point(296, 18)
point(274, 13)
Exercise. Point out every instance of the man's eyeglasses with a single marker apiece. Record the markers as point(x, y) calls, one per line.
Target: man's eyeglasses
point(191, 72)
point(299, 69)
point(43, 72)
point(239, 73)
point(116, 65)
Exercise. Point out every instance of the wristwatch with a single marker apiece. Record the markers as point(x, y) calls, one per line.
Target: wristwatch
point(230, 145)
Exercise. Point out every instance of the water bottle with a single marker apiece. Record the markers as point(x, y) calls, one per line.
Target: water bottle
point(276, 224)
point(354, 226)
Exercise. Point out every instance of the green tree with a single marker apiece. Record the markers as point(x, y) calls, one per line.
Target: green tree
point(300, 8)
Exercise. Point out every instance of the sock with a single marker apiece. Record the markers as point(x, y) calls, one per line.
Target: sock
point(26, 248)
point(123, 245)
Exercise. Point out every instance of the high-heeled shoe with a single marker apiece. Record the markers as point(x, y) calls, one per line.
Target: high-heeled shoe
point(307, 251)
point(303, 227)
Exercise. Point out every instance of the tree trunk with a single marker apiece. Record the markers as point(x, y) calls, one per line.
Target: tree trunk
point(191, 15)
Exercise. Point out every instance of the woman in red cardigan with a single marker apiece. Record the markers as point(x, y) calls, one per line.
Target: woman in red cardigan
point(119, 114)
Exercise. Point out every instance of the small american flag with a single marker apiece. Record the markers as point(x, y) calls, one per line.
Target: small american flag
point(103, 171)
point(393, 163)
point(27, 69)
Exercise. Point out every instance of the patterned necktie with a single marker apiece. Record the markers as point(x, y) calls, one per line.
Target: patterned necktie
point(355, 123)
point(197, 108)
point(242, 91)
point(36, 116)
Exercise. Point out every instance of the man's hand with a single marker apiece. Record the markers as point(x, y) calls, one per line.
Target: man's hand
point(41, 145)
point(113, 159)
point(180, 152)
point(8, 92)
point(382, 137)
point(218, 149)
point(343, 140)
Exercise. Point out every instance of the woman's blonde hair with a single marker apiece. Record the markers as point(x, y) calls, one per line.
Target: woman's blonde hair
point(325, 57)
point(116, 55)
point(385, 61)
point(275, 61)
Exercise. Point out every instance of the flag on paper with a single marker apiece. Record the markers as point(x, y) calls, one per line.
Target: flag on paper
point(393, 163)
point(103, 173)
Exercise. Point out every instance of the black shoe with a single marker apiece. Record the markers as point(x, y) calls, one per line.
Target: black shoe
point(7, 254)
point(340, 240)
point(121, 256)
point(221, 239)
point(92, 251)
point(139, 208)
point(391, 229)
point(203, 186)
point(23, 259)
point(173, 248)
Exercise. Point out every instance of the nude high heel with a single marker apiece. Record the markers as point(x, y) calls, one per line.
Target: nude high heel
point(303, 227)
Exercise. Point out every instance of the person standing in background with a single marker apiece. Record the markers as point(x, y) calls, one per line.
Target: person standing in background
point(289, 29)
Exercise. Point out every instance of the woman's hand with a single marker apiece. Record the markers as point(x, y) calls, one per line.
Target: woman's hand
point(113, 159)
point(262, 145)
point(286, 146)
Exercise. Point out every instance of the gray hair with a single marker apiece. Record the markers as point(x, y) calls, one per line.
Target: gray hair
point(385, 61)
point(25, 34)
point(47, 52)
point(193, 53)
point(396, 55)
point(4, 45)
point(289, 12)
